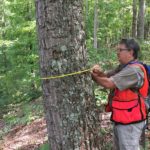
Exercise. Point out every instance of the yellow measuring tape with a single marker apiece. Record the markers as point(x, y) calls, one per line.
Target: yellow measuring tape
point(66, 75)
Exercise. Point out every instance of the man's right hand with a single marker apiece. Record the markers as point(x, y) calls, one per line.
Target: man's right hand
point(97, 70)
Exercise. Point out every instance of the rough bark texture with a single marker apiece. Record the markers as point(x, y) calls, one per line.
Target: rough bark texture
point(140, 26)
point(134, 20)
point(71, 115)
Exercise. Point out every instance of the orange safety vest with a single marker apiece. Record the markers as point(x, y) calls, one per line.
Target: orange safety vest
point(128, 106)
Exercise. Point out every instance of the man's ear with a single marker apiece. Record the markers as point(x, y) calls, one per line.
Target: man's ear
point(131, 52)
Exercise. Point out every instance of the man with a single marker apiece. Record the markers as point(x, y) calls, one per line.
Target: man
point(130, 86)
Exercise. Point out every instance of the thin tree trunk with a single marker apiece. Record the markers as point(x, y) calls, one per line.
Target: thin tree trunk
point(140, 26)
point(3, 37)
point(86, 12)
point(147, 22)
point(147, 30)
point(3, 51)
point(95, 23)
point(71, 114)
point(134, 19)
point(86, 17)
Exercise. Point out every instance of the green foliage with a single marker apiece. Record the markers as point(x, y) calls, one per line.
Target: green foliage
point(44, 147)
point(19, 58)
point(101, 96)
point(114, 20)
point(18, 53)
point(114, 23)
point(145, 51)
point(104, 56)
point(22, 114)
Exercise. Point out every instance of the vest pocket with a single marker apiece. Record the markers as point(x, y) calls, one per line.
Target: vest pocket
point(126, 112)
point(124, 105)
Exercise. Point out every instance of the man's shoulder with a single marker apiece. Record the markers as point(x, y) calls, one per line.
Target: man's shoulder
point(136, 68)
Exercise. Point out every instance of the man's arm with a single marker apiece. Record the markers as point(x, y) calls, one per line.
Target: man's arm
point(103, 80)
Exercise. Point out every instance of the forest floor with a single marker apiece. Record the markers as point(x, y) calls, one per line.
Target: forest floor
point(23, 127)
point(25, 137)
point(31, 133)
point(32, 136)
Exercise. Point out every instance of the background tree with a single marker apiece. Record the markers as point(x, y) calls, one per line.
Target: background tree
point(134, 21)
point(69, 104)
point(95, 23)
point(147, 21)
point(141, 16)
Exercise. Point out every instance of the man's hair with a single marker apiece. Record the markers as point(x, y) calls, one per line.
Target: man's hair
point(131, 44)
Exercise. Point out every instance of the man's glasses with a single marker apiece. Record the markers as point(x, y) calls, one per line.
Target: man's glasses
point(121, 49)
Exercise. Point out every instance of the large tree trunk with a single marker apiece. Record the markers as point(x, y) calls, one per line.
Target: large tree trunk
point(134, 19)
point(69, 104)
point(140, 26)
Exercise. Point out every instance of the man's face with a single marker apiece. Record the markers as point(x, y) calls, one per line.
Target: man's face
point(124, 54)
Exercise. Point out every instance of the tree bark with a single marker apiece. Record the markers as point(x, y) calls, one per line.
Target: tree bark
point(140, 26)
point(71, 114)
point(134, 19)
